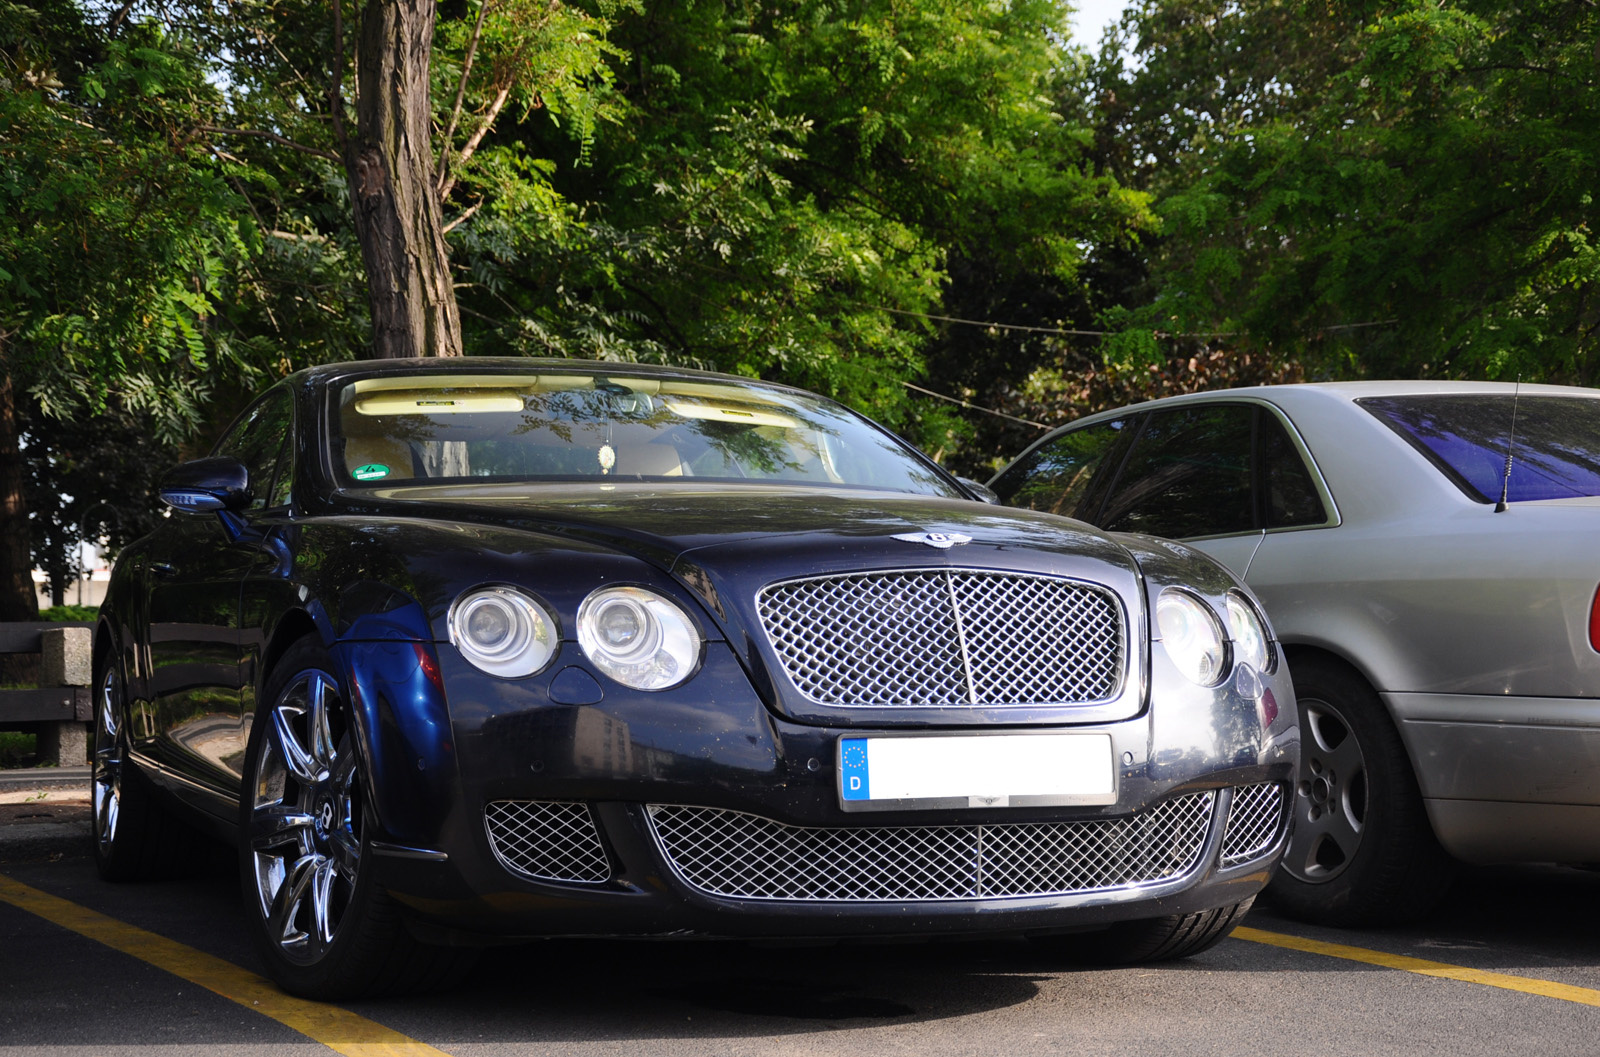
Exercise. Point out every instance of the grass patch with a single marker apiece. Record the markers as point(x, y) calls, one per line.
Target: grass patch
point(72, 614)
point(17, 748)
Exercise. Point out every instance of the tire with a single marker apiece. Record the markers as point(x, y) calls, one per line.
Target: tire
point(1160, 939)
point(135, 837)
point(325, 929)
point(1362, 851)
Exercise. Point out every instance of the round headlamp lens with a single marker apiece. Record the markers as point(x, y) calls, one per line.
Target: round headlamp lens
point(1193, 637)
point(637, 637)
point(1251, 643)
point(489, 624)
point(622, 625)
point(502, 631)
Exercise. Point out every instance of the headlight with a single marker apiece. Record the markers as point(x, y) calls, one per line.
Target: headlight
point(638, 638)
point(502, 631)
point(1192, 636)
point(1251, 643)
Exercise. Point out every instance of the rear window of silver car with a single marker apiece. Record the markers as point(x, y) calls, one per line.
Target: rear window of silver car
point(1555, 453)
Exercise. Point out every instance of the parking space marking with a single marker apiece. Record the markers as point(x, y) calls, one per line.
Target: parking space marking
point(1528, 985)
point(336, 1028)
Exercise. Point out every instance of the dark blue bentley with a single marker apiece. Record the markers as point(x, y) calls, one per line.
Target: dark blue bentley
point(461, 651)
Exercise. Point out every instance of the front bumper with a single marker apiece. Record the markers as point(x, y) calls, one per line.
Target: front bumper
point(767, 849)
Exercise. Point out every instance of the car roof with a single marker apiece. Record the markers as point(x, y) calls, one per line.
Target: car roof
point(332, 372)
point(1294, 394)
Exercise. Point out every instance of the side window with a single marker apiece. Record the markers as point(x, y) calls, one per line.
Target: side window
point(1291, 496)
point(258, 440)
point(1187, 475)
point(1055, 477)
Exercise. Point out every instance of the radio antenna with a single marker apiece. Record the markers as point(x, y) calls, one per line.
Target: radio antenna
point(1511, 441)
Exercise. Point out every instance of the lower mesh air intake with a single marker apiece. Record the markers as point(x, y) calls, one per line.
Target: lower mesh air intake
point(550, 840)
point(1253, 822)
point(730, 853)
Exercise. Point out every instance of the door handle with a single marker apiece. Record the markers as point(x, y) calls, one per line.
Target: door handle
point(163, 569)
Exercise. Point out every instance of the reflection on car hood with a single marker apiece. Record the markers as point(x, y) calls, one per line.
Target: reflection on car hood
point(663, 523)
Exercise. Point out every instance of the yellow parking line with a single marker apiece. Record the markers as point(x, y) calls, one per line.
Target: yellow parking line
point(338, 1029)
point(1566, 992)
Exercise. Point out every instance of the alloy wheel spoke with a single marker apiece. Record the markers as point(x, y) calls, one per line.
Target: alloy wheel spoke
point(274, 826)
point(322, 901)
point(107, 803)
point(291, 896)
point(318, 691)
point(1345, 759)
point(1332, 825)
point(345, 852)
point(300, 763)
point(1317, 725)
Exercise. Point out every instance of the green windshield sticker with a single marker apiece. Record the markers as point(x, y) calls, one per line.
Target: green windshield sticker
point(372, 471)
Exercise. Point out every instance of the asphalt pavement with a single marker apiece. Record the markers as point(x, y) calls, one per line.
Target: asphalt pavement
point(44, 813)
point(1510, 965)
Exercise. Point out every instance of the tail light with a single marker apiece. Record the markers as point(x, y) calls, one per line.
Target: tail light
point(1594, 622)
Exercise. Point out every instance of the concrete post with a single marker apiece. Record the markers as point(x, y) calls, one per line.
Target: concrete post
point(66, 659)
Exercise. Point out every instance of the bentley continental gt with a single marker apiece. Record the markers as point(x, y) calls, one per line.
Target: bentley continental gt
point(466, 651)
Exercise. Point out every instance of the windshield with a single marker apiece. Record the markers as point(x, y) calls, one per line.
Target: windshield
point(1556, 452)
point(469, 428)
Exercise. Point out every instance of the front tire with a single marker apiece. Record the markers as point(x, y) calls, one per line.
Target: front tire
point(1362, 851)
point(325, 929)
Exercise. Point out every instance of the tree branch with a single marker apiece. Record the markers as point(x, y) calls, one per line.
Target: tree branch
point(273, 137)
point(118, 18)
point(462, 218)
point(477, 137)
point(461, 96)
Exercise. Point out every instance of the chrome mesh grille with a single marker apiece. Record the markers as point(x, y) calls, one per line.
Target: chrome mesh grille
point(946, 637)
point(1252, 822)
point(730, 853)
point(552, 840)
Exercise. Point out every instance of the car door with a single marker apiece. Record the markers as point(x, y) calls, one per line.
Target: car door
point(1220, 475)
point(195, 570)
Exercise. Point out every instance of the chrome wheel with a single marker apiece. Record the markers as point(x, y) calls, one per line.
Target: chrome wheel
point(305, 818)
point(109, 753)
point(1331, 798)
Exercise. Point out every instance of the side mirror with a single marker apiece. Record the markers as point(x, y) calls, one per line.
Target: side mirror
point(980, 492)
point(205, 485)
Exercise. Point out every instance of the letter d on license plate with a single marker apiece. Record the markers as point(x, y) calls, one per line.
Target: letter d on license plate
point(975, 770)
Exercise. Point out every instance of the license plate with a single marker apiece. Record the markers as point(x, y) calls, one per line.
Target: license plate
point(966, 770)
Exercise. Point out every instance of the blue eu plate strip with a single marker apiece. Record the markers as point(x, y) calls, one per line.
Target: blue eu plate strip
point(853, 784)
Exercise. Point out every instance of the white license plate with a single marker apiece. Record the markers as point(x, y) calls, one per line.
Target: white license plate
point(967, 770)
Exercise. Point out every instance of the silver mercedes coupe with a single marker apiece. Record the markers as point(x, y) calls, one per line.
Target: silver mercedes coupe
point(1439, 612)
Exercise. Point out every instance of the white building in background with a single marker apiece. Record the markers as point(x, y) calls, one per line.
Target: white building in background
point(92, 587)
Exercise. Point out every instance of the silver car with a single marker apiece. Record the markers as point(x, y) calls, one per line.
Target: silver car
point(1440, 615)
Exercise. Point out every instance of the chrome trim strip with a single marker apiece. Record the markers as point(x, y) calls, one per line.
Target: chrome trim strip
point(400, 851)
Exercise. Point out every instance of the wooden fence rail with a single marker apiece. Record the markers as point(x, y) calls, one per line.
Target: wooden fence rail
point(61, 706)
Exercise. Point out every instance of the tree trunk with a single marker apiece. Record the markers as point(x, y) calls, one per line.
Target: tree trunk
point(17, 598)
point(389, 163)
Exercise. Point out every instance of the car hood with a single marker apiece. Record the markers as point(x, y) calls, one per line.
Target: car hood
point(804, 530)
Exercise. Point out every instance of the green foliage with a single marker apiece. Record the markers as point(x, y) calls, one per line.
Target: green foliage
point(116, 231)
point(71, 614)
point(1382, 188)
point(792, 192)
point(17, 748)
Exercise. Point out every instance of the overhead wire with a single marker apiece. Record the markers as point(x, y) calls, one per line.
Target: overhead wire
point(1070, 332)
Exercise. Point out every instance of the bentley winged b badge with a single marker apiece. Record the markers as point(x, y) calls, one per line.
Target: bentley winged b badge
point(943, 540)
